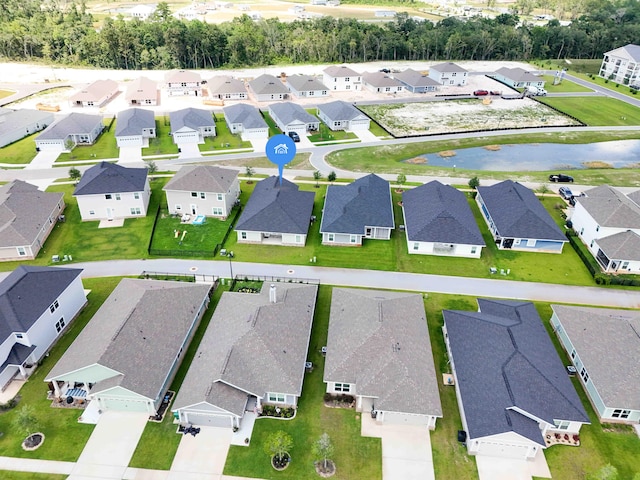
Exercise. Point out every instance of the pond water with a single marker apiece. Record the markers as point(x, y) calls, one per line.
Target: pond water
point(539, 156)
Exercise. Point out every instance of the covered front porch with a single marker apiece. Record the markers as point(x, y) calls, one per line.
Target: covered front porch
point(68, 394)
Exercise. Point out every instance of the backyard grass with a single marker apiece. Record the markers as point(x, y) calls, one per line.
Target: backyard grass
point(224, 139)
point(163, 143)
point(596, 111)
point(20, 152)
point(273, 128)
point(573, 66)
point(356, 457)
point(105, 147)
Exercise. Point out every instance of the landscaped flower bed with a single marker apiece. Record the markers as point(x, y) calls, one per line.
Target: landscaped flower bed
point(277, 412)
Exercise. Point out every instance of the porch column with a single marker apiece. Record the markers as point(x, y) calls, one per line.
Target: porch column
point(23, 372)
point(56, 388)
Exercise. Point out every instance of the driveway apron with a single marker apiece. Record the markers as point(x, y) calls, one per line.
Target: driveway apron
point(406, 453)
point(204, 454)
point(496, 468)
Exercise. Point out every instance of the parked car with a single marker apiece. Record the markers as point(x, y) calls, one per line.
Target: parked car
point(495, 92)
point(481, 93)
point(294, 136)
point(560, 177)
point(565, 192)
point(385, 70)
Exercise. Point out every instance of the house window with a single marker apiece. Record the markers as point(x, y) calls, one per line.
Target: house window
point(136, 195)
point(21, 251)
point(276, 397)
point(108, 196)
point(19, 335)
point(330, 237)
point(353, 239)
point(92, 212)
point(217, 211)
point(243, 235)
point(342, 387)
point(598, 228)
point(117, 196)
point(54, 306)
point(573, 354)
point(591, 244)
point(416, 246)
point(619, 413)
point(347, 79)
point(60, 325)
point(136, 211)
point(584, 374)
point(178, 206)
point(581, 231)
point(516, 241)
point(194, 194)
point(219, 197)
point(203, 195)
point(298, 239)
point(348, 87)
point(531, 242)
point(561, 425)
point(625, 265)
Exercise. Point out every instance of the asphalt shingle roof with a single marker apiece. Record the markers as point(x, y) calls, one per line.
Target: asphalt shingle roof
point(434, 212)
point(105, 177)
point(379, 341)
point(305, 83)
point(415, 79)
point(340, 111)
point(225, 84)
point(380, 79)
point(95, 91)
point(364, 203)
point(288, 112)
point(267, 84)
point(621, 246)
point(192, 118)
point(249, 116)
point(517, 212)
point(133, 120)
point(518, 74)
point(202, 178)
point(180, 76)
point(630, 51)
point(610, 207)
point(448, 67)
point(277, 208)
point(340, 71)
point(72, 124)
point(14, 120)
point(142, 88)
point(504, 359)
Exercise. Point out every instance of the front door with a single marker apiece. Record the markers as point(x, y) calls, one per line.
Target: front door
point(109, 213)
point(194, 209)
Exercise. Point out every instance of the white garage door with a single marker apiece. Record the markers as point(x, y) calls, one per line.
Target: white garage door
point(189, 137)
point(505, 450)
point(50, 146)
point(254, 134)
point(135, 141)
point(208, 420)
point(124, 404)
point(405, 419)
point(359, 125)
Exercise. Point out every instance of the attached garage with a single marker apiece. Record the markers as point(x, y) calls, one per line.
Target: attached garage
point(122, 404)
point(397, 418)
point(130, 141)
point(202, 419)
point(501, 449)
point(186, 137)
point(255, 134)
point(50, 145)
point(359, 124)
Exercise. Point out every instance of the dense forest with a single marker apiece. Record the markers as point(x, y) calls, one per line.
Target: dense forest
point(69, 35)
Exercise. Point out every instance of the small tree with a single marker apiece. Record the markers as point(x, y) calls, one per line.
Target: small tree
point(278, 445)
point(544, 189)
point(332, 176)
point(317, 176)
point(26, 421)
point(474, 183)
point(249, 173)
point(323, 449)
point(401, 180)
point(74, 174)
point(151, 167)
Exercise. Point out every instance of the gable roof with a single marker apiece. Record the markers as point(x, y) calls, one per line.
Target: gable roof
point(415, 79)
point(635, 197)
point(225, 84)
point(141, 87)
point(202, 178)
point(27, 292)
point(516, 212)
point(105, 177)
point(179, 76)
point(340, 71)
point(608, 344)
point(518, 75)
point(138, 331)
point(340, 110)
point(305, 83)
point(629, 51)
point(434, 212)
point(621, 246)
point(504, 360)
point(252, 346)
point(249, 116)
point(448, 67)
point(267, 84)
point(193, 118)
point(133, 120)
point(380, 79)
point(95, 91)
point(13, 120)
point(277, 208)
point(73, 124)
point(288, 112)
point(350, 208)
point(24, 211)
point(379, 341)
point(610, 207)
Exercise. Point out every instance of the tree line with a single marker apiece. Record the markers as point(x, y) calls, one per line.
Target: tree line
point(68, 34)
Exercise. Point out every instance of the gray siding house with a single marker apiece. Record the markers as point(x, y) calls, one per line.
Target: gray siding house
point(380, 82)
point(306, 86)
point(266, 88)
point(192, 125)
point(518, 78)
point(225, 87)
point(17, 124)
point(341, 115)
point(291, 117)
point(247, 121)
point(134, 127)
point(416, 82)
point(74, 129)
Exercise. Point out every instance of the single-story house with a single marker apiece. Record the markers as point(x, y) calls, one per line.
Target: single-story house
point(518, 78)
point(247, 121)
point(127, 355)
point(203, 190)
point(608, 222)
point(449, 73)
point(27, 217)
point(341, 115)
point(359, 210)
point(225, 87)
point(183, 83)
point(36, 304)
point(622, 65)
point(242, 365)
point(416, 82)
point(109, 191)
point(603, 344)
point(134, 127)
point(378, 350)
point(518, 220)
point(192, 125)
point(291, 117)
point(439, 221)
point(95, 94)
point(341, 78)
point(380, 82)
point(267, 87)
point(306, 86)
point(514, 394)
point(142, 12)
point(17, 124)
point(142, 91)
point(74, 129)
point(277, 213)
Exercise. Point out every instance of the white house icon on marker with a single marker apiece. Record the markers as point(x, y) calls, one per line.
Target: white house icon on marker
point(280, 149)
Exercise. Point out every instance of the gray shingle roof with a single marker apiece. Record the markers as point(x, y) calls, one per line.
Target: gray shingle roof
point(504, 358)
point(105, 177)
point(434, 212)
point(137, 332)
point(193, 118)
point(340, 71)
point(305, 83)
point(380, 79)
point(133, 120)
point(24, 210)
point(611, 208)
point(142, 88)
point(415, 79)
point(225, 84)
point(27, 292)
point(608, 343)
point(249, 116)
point(517, 212)
point(635, 197)
point(252, 345)
point(448, 67)
point(518, 75)
point(288, 112)
point(202, 178)
point(277, 208)
point(340, 111)
point(72, 124)
point(364, 203)
point(621, 246)
point(179, 76)
point(267, 84)
point(379, 341)
point(95, 91)
point(13, 120)
point(630, 50)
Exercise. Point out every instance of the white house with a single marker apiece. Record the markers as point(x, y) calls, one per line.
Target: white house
point(449, 73)
point(306, 86)
point(17, 124)
point(183, 82)
point(192, 125)
point(134, 127)
point(291, 117)
point(247, 121)
point(341, 78)
point(266, 88)
point(95, 94)
point(380, 82)
point(622, 65)
point(518, 78)
point(142, 91)
point(341, 115)
point(74, 129)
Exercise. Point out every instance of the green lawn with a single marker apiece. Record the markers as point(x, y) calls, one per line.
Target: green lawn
point(9, 475)
point(377, 130)
point(273, 128)
point(301, 161)
point(356, 457)
point(163, 143)
point(325, 134)
point(596, 111)
point(564, 86)
point(574, 66)
point(20, 152)
point(105, 147)
point(224, 139)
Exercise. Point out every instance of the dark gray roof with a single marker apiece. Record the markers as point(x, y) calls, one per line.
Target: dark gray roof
point(380, 79)
point(415, 79)
point(17, 355)
point(249, 116)
point(202, 178)
point(193, 118)
point(24, 211)
point(138, 331)
point(379, 341)
point(504, 359)
point(105, 177)
point(608, 344)
point(621, 246)
point(277, 208)
point(517, 212)
point(13, 120)
point(288, 112)
point(340, 110)
point(364, 203)
point(251, 346)
point(448, 67)
point(225, 84)
point(133, 120)
point(267, 84)
point(305, 83)
point(72, 124)
point(27, 292)
point(518, 75)
point(611, 208)
point(340, 71)
point(434, 212)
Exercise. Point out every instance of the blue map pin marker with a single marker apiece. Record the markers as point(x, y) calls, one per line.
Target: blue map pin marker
point(280, 150)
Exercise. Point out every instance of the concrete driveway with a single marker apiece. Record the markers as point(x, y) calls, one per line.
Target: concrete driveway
point(495, 468)
point(366, 135)
point(189, 150)
point(204, 454)
point(44, 159)
point(130, 155)
point(406, 453)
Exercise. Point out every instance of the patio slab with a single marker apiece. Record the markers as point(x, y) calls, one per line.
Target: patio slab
point(116, 222)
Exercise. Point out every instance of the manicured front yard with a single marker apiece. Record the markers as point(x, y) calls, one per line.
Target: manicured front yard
point(163, 143)
point(104, 147)
point(20, 152)
point(324, 134)
point(564, 86)
point(224, 139)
